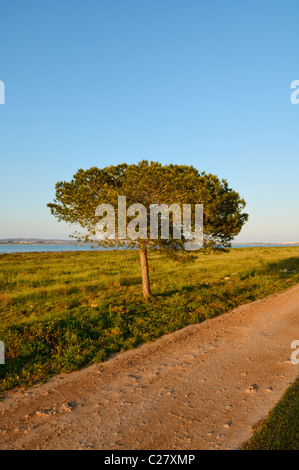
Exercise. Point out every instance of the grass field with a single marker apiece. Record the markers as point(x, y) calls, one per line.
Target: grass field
point(61, 311)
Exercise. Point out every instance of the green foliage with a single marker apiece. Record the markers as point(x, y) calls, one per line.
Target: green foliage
point(150, 183)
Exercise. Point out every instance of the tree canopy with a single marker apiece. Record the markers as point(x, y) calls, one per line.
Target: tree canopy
point(150, 183)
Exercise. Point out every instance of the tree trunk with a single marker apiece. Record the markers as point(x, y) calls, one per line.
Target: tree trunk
point(144, 272)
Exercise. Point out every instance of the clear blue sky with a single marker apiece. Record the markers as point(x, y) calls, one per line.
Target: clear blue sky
point(99, 82)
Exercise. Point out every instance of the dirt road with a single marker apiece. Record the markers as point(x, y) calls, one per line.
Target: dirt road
point(203, 387)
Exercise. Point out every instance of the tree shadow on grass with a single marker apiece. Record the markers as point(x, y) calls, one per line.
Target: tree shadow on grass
point(184, 289)
point(285, 269)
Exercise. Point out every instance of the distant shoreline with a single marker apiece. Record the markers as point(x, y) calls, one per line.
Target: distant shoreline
point(10, 248)
point(37, 241)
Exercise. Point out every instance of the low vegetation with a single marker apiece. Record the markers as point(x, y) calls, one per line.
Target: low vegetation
point(62, 311)
point(280, 429)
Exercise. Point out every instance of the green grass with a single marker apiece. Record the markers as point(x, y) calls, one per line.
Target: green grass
point(280, 429)
point(62, 311)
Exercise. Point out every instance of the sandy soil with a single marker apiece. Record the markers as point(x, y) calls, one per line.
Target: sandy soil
point(203, 387)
